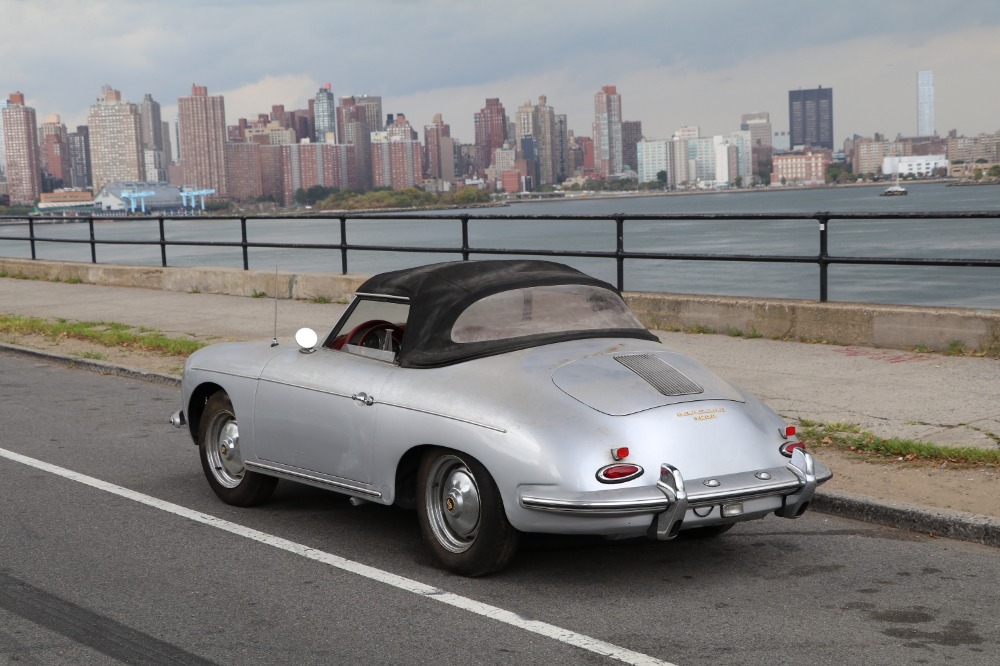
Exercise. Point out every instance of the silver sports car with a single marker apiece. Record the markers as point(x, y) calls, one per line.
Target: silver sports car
point(496, 398)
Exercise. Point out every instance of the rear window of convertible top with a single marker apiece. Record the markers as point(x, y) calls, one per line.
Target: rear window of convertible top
point(540, 310)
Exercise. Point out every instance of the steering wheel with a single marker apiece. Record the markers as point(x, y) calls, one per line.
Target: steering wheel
point(364, 331)
point(389, 341)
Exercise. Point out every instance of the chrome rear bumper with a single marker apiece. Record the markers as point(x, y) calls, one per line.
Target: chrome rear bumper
point(672, 496)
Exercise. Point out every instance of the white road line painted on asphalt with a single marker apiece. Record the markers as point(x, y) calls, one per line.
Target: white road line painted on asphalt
point(542, 628)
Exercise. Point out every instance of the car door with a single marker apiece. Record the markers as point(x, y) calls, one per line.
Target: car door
point(315, 412)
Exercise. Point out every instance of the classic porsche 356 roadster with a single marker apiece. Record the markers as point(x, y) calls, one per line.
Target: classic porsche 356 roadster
point(496, 398)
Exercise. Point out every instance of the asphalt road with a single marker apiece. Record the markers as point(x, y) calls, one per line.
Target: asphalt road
point(149, 567)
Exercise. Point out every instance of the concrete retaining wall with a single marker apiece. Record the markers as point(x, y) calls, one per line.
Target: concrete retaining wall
point(891, 326)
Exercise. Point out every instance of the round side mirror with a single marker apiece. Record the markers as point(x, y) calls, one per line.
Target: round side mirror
point(306, 338)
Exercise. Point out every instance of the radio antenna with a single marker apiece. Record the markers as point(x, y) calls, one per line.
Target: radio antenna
point(274, 342)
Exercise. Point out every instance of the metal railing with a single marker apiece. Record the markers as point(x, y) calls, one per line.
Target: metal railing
point(822, 220)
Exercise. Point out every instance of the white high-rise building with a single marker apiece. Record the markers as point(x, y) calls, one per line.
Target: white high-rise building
point(925, 103)
point(654, 156)
point(115, 140)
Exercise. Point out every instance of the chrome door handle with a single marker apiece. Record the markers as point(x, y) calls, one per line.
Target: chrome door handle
point(364, 397)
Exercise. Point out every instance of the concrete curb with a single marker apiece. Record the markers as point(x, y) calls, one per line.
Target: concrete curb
point(935, 522)
point(100, 367)
point(927, 520)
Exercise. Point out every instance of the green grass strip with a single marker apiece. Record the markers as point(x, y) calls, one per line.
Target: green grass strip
point(107, 334)
point(850, 437)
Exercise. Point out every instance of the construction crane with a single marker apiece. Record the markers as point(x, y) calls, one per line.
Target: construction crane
point(132, 196)
point(193, 194)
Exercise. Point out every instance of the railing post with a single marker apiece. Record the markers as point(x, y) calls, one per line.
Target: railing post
point(93, 242)
point(243, 231)
point(343, 245)
point(619, 251)
point(31, 235)
point(465, 237)
point(163, 245)
point(824, 256)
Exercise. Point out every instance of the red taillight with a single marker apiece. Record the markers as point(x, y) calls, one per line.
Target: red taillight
point(619, 453)
point(787, 431)
point(618, 473)
point(789, 447)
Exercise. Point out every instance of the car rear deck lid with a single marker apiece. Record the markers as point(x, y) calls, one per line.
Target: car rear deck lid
point(662, 376)
point(625, 382)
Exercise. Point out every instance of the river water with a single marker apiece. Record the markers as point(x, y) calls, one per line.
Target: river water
point(939, 286)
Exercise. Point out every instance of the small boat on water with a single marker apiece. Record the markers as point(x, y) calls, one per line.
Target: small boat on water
point(894, 190)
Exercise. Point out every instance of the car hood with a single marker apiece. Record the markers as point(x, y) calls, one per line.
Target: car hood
point(624, 383)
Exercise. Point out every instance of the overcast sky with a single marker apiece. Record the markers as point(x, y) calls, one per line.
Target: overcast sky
point(674, 62)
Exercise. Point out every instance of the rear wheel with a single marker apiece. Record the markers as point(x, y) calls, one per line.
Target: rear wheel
point(462, 516)
point(219, 446)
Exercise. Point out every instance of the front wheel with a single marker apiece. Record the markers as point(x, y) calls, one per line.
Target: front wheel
point(462, 516)
point(219, 446)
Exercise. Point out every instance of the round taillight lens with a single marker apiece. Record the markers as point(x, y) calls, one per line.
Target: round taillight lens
point(618, 473)
point(788, 448)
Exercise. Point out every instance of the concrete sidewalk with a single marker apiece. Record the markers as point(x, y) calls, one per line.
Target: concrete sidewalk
point(947, 400)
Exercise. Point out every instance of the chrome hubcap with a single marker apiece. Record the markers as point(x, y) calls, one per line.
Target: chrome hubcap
point(224, 457)
point(453, 504)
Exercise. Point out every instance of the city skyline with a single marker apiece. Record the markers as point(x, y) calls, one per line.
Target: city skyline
point(674, 64)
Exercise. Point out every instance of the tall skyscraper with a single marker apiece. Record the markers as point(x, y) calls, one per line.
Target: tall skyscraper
point(925, 103)
point(759, 126)
point(561, 145)
point(20, 136)
point(371, 107)
point(491, 131)
point(608, 132)
point(631, 136)
point(115, 140)
point(202, 129)
point(154, 159)
point(79, 157)
point(354, 128)
point(527, 135)
point(439, 149)
point(152, 124)
point(810, 117)
point(53, 139)
point(325, 116)
point(538, 122)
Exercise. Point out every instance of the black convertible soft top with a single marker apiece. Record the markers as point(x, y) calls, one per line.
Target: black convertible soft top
point(439, 293)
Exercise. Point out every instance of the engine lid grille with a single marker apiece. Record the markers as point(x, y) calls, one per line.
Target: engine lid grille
point(662, 376)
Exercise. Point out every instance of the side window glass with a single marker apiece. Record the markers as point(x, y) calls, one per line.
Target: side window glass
point(374, 328)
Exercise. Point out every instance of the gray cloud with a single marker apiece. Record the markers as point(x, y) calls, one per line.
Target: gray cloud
point(674, 62)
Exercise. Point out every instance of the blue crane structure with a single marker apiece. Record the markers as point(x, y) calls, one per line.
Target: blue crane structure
point(194, 193)
point(132, 196)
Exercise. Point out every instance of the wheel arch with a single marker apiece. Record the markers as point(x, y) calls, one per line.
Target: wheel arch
point(196, 406)
point(406, 475)
point(405, 491)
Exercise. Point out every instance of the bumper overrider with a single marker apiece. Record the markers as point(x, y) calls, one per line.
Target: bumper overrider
point(677, 503)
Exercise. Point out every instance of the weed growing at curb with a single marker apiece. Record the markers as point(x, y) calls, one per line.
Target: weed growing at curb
point(320, 300)
point(107, 334)
point(848, 437)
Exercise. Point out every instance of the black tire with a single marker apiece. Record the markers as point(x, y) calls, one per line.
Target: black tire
point(218, 446)
point(461, 514)
point(708, 532)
